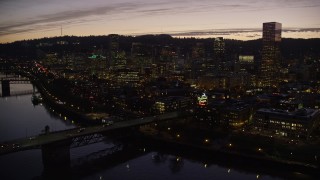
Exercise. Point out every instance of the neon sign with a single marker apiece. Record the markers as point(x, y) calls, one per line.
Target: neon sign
point(203, 100)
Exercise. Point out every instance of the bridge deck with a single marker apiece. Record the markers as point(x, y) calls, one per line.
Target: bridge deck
point(42, 139)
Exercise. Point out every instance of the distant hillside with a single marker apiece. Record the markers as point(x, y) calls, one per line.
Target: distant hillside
point(290, 48)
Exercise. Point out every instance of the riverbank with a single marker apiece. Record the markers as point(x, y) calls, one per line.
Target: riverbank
point(63, 108)
point(228, 155)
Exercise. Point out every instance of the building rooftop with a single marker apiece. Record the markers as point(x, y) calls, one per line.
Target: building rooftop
point(300, 112)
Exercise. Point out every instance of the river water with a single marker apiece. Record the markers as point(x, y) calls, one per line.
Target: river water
point(19, 118)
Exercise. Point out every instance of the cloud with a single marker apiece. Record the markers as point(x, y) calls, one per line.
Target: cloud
point(64, 17)
point(111, 10)
point(301, 30)
point(238, 31)
point(90, 14)
point(215, 32)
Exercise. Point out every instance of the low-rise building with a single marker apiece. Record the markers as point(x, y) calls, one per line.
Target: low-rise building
point(236, 114)
point(221, 113)
point(297, 124)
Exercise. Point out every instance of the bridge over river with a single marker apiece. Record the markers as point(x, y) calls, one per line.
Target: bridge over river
point(5, 85)
point(80, 136)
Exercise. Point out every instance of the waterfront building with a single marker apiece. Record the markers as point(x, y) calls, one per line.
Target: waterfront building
point(297, 124)
point(270, 59)
point(235, 114)
point(171, 103)
point(224, 113)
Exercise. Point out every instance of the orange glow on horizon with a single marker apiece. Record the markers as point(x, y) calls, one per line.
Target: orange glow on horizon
point(237, 36)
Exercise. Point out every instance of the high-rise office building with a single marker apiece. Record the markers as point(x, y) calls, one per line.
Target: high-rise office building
point(116, 57)
point(217, 61)
point(270, 60)
point(218, 50)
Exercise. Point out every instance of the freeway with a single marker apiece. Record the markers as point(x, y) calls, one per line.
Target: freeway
point(52, 137)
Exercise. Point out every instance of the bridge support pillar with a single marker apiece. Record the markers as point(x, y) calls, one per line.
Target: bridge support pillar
point(5, 84)
point(56, 159)
point(33, 89)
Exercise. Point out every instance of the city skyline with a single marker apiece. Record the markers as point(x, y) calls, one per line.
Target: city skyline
point(238, 19)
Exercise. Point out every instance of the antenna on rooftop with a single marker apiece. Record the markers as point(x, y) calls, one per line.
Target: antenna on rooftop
point(61, 30)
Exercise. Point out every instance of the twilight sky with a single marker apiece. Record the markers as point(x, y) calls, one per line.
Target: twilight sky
point(236, 19)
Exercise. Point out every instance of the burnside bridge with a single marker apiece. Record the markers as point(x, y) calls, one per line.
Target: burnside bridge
point(56, 146)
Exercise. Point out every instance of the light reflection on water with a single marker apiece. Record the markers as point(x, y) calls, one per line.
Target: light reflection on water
point(20, 118)
point(154, 165)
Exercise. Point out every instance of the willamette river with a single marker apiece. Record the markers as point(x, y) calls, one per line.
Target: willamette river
point(19, 118)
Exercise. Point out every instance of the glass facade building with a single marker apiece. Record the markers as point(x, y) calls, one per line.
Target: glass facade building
point(270, 60)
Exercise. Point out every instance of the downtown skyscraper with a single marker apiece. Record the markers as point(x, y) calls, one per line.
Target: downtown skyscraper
point(218, 49)
point(219, 53)
point(270, 59)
